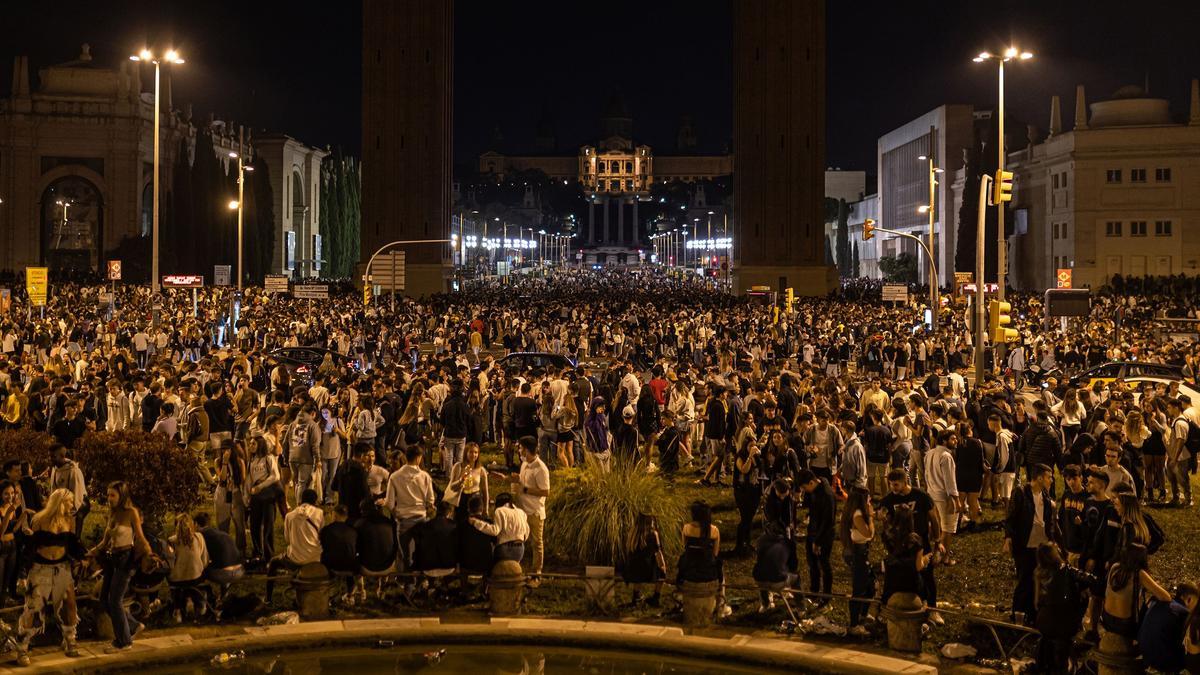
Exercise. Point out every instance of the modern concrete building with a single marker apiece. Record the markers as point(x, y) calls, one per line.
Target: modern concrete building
point(848, 185)
point(1117, 194)
point(903, 183)
point(779, 146)
point(408, 108)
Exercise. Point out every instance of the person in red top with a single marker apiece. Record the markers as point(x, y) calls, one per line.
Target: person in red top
point(658, 386)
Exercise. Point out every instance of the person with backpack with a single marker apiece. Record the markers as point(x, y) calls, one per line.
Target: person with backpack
point(1182, 443)
point(303, 437)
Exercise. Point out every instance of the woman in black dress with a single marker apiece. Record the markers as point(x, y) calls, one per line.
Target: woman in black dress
point(699, 562)
point(645, 564)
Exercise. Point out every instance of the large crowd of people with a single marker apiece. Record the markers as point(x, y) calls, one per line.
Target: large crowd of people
point(841, 425)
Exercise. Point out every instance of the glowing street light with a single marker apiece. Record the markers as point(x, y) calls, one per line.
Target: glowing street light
point(172, 57)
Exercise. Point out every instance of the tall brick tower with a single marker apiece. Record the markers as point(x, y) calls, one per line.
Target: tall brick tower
point(408, 110)
point(779, 146)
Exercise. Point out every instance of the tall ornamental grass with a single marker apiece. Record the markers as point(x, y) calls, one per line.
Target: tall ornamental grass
point(591, 518)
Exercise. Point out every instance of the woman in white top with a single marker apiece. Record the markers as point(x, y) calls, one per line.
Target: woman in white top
point(467, 478)
point(265, 488)
point(857, 531)
point(1071, 415)
point(189, 560)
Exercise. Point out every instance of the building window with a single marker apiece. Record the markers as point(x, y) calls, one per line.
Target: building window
point(1062, 232)
point(615, 186)
point(1112, 228)
point(1137, 175)
point(1113, 176)
point(1137, 228)
point(1162, 228)
point(629, 186)
point(628, 167)
point(1162, 175)
point(1054, 180)
point(1055, 226)
point(1064, 180)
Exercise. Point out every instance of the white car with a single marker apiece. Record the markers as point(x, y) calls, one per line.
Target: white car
point(1184, 388)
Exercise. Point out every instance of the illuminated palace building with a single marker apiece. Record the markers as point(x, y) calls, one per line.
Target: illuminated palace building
point(617, 175)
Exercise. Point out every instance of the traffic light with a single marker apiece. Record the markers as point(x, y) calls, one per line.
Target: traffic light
point(998, 318)
point(868, 229)
point(1004, 185)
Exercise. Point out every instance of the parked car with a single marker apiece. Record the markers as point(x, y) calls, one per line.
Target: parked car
point(1124, 370)
point(302, 362)
point(523, 361)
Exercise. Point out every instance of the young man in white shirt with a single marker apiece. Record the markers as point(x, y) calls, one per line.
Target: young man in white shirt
point(409, 499)
point(942, 484)
point(302, 533)
point(531, 487)
point(510, 527)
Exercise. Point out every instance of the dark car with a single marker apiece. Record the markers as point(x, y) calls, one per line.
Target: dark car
point(523, 361)
point(302, 362)
point(1115, 370)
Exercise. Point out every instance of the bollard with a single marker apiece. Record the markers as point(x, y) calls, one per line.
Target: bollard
point(312, 585)
point(1115, 655)
point(506, 584)
point(600, 584)
point(905, 612)
point(699, 601)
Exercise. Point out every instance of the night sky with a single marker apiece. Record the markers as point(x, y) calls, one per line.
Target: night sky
point(294, 66)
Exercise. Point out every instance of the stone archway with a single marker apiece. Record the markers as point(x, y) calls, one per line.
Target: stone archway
point(71, 237)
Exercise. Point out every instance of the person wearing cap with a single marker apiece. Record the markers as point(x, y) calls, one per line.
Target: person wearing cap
point(627, 440)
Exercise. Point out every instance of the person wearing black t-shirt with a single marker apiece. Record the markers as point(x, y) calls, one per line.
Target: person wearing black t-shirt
point(376, 544)
point(818, 540)
point(928, 529)
point(1071, 515)
point(339, 545)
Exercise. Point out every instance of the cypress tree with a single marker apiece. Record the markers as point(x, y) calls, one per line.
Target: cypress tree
point(843, 239)
point(856, 271)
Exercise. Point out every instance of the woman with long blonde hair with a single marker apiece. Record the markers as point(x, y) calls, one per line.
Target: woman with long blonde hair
point(55, 544)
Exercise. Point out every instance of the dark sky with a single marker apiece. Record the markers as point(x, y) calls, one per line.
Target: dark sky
point(294, 66)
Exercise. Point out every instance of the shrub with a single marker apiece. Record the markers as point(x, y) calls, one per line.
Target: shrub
point(26, 445)
point(591, 517)
point(162, 476)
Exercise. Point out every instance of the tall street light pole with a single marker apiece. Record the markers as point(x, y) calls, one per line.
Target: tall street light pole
point(1011, 53)
point(170, 57)
point(239, 205)
point(929, 209)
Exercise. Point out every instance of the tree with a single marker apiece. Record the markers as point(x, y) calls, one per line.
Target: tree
point(901, 268)
point(843, 239)
point(829, 252)
point(856, 271)
point(981, 160)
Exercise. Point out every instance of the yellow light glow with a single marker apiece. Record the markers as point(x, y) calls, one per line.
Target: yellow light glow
point(1011, 52)
point(145, 55)
point(233, 205)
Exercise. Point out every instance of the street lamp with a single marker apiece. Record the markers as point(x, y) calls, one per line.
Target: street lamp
point(930, 210)
point(241, 180)
point(1010, 54)
point(145, 55)
point(64, 203)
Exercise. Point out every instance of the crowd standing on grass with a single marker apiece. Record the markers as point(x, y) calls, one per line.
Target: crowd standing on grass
point(842, 421)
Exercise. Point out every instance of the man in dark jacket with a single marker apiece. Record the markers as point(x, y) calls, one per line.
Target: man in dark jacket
point(1040, 444)
point(1030, 523)
point(352, 481)
point(456, 422)
point(818, 540)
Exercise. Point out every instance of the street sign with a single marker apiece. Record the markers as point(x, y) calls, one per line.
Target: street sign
point(114, 270)
point(222, 274)
point(964, 277)
point(183, 280)
point(895, 293)
point(311, 291)
point(1068, 302)
point(387, 271)
point(37, 284)
point(276, 283)
point(1064, 278)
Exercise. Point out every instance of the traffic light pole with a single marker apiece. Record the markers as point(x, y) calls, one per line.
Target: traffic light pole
point(868, 233)
point(980, 310)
